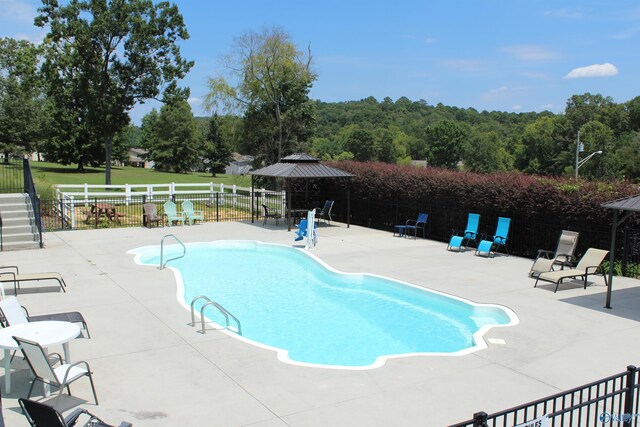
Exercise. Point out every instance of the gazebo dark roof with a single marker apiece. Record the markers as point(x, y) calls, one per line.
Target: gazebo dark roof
point(631, 203)
point(301, 165)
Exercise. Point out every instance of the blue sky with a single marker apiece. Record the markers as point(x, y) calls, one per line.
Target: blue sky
point(510, 55)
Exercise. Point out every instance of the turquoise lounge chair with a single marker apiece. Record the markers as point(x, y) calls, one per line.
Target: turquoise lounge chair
point(499, 240)
point(458, 240)
point(172, 215)
point(190, 215)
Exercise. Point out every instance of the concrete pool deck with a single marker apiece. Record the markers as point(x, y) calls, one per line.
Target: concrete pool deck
point(152, 369)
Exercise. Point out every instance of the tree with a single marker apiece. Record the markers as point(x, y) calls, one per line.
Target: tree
point(357, 141)
point(542, 144)
point(485, 152)
point(273, 81)
point(633, 109)
point(175, 138)
point(21, 97)
point(445, 140)
point(584, 108)
point(596, 136)
point(103, 56)
point(215, 150)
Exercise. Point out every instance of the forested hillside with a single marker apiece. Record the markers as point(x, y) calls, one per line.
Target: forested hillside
point(451, 137)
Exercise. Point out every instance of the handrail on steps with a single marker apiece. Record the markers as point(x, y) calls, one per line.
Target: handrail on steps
point(222, 310)
point(184, 251)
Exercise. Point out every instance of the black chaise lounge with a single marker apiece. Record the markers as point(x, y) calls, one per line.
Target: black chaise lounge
point(41, 415)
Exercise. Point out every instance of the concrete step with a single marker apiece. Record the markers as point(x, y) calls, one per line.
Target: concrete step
point(19, 246)
point(13, 199)
point(12, 215)
point(17, 222)
point(18, 229)
point(18, 237)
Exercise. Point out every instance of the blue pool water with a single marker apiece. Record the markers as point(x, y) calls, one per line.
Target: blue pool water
point(289, 300)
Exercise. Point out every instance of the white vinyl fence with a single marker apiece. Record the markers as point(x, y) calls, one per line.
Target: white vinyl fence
point(72, 195)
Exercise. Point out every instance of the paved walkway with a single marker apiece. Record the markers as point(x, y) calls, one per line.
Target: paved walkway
point(152, 369)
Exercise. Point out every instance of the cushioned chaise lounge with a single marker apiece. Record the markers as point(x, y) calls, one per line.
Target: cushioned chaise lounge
point(589, 264)
point(10, 273)
point(546, 260)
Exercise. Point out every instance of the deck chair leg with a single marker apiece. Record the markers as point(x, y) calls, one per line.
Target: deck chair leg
point(31, 389)
point(93, 388)
point(86, 328)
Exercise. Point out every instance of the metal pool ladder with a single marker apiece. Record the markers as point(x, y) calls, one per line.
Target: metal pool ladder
point(184, 250)
point(220, 308)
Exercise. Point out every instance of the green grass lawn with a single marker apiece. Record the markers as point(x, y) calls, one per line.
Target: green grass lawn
point(46, 175)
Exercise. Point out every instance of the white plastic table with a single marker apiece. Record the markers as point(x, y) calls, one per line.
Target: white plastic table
point(45, 333)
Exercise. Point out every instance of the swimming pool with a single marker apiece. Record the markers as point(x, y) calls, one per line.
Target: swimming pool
point(290, 301)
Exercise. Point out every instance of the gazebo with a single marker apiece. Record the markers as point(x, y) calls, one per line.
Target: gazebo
point(299, 166)
point(626, 206)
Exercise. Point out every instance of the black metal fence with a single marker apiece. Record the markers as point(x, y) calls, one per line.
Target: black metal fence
point(526, 235)
point(609, 401)
point(116, 211)
point(11, 175)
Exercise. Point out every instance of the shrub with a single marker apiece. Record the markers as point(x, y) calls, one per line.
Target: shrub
point(540, 207)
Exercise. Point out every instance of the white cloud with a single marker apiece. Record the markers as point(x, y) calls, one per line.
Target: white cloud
point(551, 107)
point(499, 90)
point(595, 70)
point(516, 107)
point(194, 101)
point(16, 10)
point(35, 38)
point(564, 13)
point(468, 65)
point(429, 40)
point(626, 34)
point(535, 75)
point(530, 52)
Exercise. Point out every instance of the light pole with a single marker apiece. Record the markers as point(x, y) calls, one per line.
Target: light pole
point(579, 148)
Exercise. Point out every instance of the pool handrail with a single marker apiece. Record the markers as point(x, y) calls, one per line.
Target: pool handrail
point(184, 250)
point(222, 310)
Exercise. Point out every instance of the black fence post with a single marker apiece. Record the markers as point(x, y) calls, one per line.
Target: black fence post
point(480, 419)
point(629, 396)
point(96, 213)
point(217, 207)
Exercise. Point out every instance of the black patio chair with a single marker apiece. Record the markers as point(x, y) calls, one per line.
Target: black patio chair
point(267, 215)
point(41, 415)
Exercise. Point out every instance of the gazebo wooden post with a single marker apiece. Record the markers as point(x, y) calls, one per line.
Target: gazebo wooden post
point(348, 203)
point(612, 251)
point(253, 178)
point(288, 190)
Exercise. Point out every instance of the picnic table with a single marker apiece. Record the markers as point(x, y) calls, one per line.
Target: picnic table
point(103, 210)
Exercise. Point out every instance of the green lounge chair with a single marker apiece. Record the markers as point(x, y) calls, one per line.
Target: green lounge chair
point(172, 214)
point(191, 215)
point(588, 264)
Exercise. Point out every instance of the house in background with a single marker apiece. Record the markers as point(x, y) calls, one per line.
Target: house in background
point(138, 158)
point(240, 164)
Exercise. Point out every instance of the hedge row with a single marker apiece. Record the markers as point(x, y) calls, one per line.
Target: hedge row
point(540, 207)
